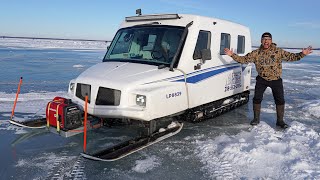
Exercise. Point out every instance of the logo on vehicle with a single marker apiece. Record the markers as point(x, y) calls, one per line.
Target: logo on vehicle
point(233, 81)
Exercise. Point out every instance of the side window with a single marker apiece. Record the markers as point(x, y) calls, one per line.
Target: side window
point(224, 43)
point(203, 42)
point(241, 44)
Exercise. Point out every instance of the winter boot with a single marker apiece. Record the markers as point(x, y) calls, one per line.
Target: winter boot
point(280, 114)
point(256, 114)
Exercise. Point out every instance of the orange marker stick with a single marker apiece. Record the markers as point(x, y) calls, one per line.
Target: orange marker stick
point(15, 101)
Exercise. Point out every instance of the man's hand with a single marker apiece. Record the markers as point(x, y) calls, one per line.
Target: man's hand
point(307, 51)
point(228, 52)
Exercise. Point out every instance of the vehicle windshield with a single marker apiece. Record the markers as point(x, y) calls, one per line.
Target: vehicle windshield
point(156, 45)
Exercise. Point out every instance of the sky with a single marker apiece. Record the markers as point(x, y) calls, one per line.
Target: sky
point(293, 23)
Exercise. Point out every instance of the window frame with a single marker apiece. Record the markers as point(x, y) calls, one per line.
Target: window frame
point(243, 45)
point(208, 42)
point(228, 45)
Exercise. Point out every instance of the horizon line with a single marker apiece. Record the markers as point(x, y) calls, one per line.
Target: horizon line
point(106, 41)
point(49, 38)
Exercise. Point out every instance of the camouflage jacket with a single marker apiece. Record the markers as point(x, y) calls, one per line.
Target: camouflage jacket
point(268, 62)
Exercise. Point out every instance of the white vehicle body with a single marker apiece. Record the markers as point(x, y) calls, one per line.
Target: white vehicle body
point(126, 85)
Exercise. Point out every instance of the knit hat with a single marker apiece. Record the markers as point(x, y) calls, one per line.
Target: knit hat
point(266, 34)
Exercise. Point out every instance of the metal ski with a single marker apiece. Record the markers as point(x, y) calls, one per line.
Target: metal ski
point(128, 147)
point(33, 124)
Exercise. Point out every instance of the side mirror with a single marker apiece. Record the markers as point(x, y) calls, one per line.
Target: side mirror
point(205, 54)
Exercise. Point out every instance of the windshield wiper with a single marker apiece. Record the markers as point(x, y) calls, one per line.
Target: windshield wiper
point(162, 66)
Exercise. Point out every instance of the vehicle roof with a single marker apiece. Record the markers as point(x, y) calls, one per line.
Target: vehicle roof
point(201, 22)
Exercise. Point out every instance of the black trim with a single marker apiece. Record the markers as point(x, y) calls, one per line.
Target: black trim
point(174, 62)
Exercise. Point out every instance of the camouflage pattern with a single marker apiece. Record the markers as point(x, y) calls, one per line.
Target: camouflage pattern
point(268, 62)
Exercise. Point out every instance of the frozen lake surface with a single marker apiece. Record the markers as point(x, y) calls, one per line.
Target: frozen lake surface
point(220, 148)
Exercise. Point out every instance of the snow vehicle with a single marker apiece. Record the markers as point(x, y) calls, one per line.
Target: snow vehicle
point(161, 66)
point(164, 65)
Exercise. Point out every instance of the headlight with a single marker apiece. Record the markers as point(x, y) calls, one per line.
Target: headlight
point(141, 100)
point(71, 87)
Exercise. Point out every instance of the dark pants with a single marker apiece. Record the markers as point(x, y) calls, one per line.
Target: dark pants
point(276, 87)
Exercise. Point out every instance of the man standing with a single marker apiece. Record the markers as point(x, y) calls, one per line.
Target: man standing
point(268, 61)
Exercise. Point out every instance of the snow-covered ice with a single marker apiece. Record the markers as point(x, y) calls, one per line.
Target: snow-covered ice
point(45, 44)
point(143, 166)
point(263, 152)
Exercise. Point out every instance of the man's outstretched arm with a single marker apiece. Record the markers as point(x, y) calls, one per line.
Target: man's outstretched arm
point(288, 56)
point(307, 51)
point(248, 58)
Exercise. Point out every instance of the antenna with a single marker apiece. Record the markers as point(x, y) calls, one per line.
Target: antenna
point(138, 12)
